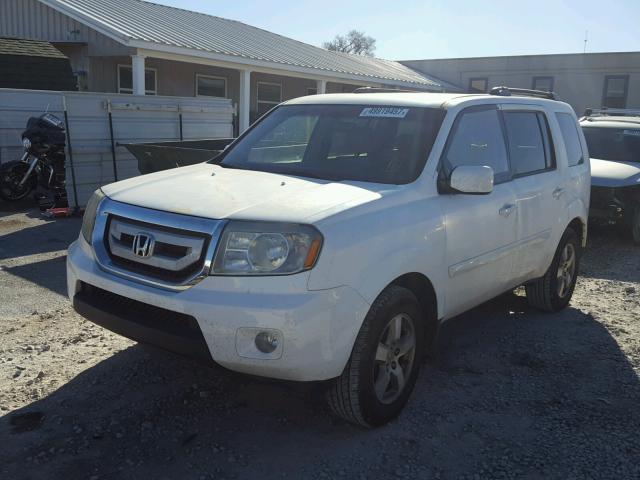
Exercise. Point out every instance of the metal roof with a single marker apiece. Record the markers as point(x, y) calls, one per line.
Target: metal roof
point(137, 22)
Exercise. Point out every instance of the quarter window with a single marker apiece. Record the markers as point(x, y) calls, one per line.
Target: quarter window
point(125, 80)
point(208, 86)
point(569, 129)
point(269, 95)
point(528, 142)
point(615, 91)
point(544, 84)
point(478, 85)
point(478, 140)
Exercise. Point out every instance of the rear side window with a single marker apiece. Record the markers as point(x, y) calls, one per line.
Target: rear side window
point(478, 140)
point(528, 141)
point(569, 129)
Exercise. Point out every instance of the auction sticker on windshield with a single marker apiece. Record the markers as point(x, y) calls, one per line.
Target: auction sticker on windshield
point(633, 133)
point(384, 112)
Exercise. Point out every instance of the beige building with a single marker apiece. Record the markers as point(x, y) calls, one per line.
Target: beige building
point(582, 80)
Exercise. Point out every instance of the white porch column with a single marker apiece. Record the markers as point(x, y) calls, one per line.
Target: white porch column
point(322, 87)
point(137, 70)
point(244, 109)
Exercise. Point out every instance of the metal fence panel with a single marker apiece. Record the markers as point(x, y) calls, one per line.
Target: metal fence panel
point(136, 119)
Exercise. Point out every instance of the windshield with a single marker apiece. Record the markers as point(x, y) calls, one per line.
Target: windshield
point(619, 144)
point(340, 142)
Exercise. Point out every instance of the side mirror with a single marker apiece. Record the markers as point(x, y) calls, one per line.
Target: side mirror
point(471, 179)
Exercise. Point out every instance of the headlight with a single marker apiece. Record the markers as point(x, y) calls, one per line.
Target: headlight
point(260, 248)
point(26, 143)
point(89, 217)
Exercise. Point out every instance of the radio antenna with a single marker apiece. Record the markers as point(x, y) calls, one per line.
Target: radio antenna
point(586, 39)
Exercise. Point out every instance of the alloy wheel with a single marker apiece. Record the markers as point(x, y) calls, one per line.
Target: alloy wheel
point(395, 355)
point(566, 270)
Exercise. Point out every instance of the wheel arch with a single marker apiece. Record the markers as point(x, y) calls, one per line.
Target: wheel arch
point(422, 287)
point(579, 225)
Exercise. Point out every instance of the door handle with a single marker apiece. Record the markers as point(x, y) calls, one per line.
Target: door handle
point(507, 210)
point(557, 193)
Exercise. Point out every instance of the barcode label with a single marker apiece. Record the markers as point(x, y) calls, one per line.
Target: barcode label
point(384, 112)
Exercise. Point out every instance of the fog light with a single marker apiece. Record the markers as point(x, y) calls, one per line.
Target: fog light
point(259, 342)
point(266, 342)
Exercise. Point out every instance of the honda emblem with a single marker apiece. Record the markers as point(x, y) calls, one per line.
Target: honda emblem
point(143, 244)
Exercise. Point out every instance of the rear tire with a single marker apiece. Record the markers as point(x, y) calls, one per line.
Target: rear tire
point(382, 370)
point(553, 292)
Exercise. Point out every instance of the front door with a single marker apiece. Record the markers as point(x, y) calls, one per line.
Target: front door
point(480, 229)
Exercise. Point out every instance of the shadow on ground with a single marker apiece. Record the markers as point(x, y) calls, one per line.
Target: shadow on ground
point(513, 394)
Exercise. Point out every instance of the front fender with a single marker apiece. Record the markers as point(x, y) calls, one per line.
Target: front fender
point(370, 249)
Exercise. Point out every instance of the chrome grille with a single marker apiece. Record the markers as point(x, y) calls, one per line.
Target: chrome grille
point(172, 251)
point(179, 252)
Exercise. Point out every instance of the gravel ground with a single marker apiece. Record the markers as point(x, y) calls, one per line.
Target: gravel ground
point(513, 394)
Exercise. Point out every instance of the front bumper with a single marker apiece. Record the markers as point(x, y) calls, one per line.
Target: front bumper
point(318, 328)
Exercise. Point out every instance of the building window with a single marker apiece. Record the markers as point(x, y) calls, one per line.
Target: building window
point(208, 86)
point(544, 84)
point(478, 85)
point(125, 80)
point(269, 95)
point(312, 91)
point(616, 88)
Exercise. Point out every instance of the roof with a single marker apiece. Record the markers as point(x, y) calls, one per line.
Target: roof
point(144, 24)
point(28, 48)
point(525, 56)
point(423, 99)
point(405, 99)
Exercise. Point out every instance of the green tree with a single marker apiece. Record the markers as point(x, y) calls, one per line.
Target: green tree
point(355, 42)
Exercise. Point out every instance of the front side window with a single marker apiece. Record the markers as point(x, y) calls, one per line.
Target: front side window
point(477, 140)
point(615, 91)
point(269, 95)
point(208, 86)
point(617, 144)
point(380, 144)
point(312, 91)
point(478, 85)
point(527, 138)
point(569, 129)
point(125, 80)
point(544, 84)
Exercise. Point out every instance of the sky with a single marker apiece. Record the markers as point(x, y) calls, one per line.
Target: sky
point(412, 29)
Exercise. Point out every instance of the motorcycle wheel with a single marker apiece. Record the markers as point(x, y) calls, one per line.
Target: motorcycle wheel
point(10, 177)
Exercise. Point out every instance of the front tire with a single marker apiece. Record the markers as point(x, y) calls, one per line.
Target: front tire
point(10, 177)
point(553, 292)
point(382, 370)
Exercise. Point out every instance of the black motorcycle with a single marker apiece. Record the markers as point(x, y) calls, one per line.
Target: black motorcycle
point(41, 168)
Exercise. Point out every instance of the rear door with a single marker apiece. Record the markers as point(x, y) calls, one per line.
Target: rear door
point(480, 229)
point(537, 185)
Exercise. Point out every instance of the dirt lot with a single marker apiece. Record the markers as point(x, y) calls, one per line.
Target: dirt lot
point(514, 393)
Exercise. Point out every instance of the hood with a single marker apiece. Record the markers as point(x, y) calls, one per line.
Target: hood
point(607, 173)
point(211, 191)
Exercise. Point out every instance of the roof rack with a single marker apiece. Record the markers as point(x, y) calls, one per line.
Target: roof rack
point(605, 111)
point(381, 90)
point(503, 91)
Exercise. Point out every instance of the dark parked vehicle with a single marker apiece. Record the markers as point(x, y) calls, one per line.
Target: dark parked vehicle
point(613, 138)
point(41, 168)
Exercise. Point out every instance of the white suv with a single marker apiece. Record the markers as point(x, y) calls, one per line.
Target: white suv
point(330, 241)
